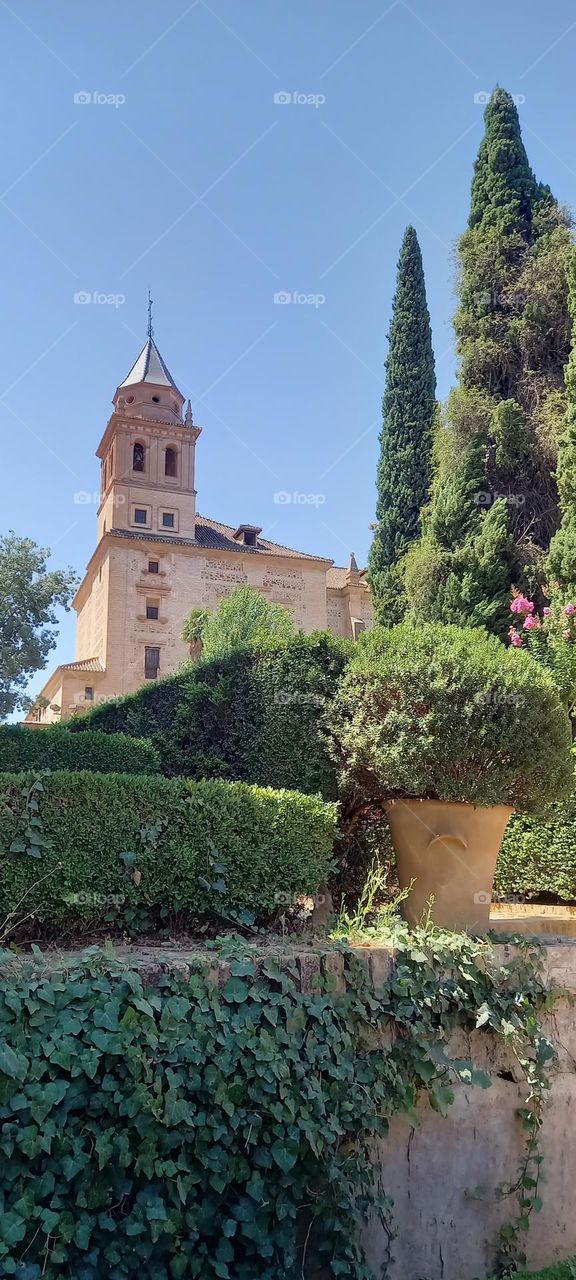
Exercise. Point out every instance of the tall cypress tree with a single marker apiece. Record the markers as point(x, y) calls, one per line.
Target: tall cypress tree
point(562, 555)
point(502, 422)
point(408, 405)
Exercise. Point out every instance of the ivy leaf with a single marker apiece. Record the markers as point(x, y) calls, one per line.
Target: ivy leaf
point(283, 1157)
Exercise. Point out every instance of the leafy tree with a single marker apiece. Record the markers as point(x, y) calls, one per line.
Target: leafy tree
point(496, 444)
point(562, 556)
point(244, 619)
point(408, 406)
point(29, 596)
point(193, 628)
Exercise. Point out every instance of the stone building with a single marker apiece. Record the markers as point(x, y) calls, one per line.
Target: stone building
point(156, 557)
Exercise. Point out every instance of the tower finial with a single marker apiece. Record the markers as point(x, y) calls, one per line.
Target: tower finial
point(150, 330)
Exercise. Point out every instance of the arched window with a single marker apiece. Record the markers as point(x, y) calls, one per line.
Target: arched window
point(138, 454)
point(170, 462)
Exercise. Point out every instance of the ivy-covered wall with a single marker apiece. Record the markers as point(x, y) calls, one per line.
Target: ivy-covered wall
point(239, 1114)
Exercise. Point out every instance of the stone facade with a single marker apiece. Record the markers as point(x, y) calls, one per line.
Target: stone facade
point(156, 558)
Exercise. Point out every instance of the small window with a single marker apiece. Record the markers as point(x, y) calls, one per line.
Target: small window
point(167, 520)
point(153, 566)
point(249, 537)
point(88, 693)
point(170, 462)
point(156, 399)
point(152, 609)
point(130, 400)
point(151, 663)
point(140, 515)
point(138, 456)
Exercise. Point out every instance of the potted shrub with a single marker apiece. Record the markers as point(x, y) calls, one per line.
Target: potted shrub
point(447, 732)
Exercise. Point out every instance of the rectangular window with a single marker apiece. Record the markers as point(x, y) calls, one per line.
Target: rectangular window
point(152, 609)
point(88, 693)
point(140, 516)
point(151, 663)
point(167, 520)
point(153, 566)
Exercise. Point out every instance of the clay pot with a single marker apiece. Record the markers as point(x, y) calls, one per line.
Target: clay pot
point(449, 850)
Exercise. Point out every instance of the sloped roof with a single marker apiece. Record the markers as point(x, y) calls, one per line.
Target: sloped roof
point(336, 577)
point(211, 533)
point(85, 664)
point(149, 367)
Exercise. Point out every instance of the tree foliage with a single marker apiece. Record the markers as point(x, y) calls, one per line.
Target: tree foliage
point(408, 407)
point(29, 597)
point(496, 443)
point(244, 619)
point(562, 555)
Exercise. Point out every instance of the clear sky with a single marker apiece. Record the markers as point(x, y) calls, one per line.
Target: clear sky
point(184, 175)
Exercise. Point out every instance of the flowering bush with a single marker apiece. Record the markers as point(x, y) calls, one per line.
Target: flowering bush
point(550, 637)
point(447, 713)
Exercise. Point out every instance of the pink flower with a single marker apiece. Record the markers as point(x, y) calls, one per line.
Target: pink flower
point(515, 638)
point(521, 604)
point(569, 609)
point(530, 622)
point(546, 611)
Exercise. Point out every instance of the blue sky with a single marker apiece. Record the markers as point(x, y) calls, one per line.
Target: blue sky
point(184, 175)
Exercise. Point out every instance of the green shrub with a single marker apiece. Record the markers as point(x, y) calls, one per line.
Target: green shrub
point(252, 717)
point(448, 713)
point(83, 846)
point(22, 749)
point(539, 857)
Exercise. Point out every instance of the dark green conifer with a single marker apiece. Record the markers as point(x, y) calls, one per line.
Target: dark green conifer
point(562, 555)
point(500, 427)
point(408, 406)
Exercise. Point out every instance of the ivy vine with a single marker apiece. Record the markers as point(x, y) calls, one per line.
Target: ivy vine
point(197, 1129)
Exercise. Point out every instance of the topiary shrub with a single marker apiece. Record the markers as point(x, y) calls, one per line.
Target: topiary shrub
point(80, 847)
point(55, 748)
point(446, 713)
point(252, 716)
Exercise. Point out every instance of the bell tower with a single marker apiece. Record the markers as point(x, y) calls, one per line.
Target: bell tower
point(148, 454)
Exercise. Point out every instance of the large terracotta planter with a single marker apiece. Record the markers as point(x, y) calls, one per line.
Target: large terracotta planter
point(449, 851)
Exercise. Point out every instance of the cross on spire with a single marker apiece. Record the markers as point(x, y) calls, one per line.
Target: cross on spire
point(150, 330)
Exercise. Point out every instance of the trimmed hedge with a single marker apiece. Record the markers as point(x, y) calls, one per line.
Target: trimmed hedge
point(539, 858)
point(254, 716)
point(96, 847)
point(55, 748)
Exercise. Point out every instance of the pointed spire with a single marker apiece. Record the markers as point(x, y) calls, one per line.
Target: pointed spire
point(188, 420)
point(149, 367)
point(353, 567)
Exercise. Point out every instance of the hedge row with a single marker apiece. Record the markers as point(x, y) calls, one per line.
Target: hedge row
point(255, 717)
point(80, 847)
point(55, 748)
point(539, 858)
